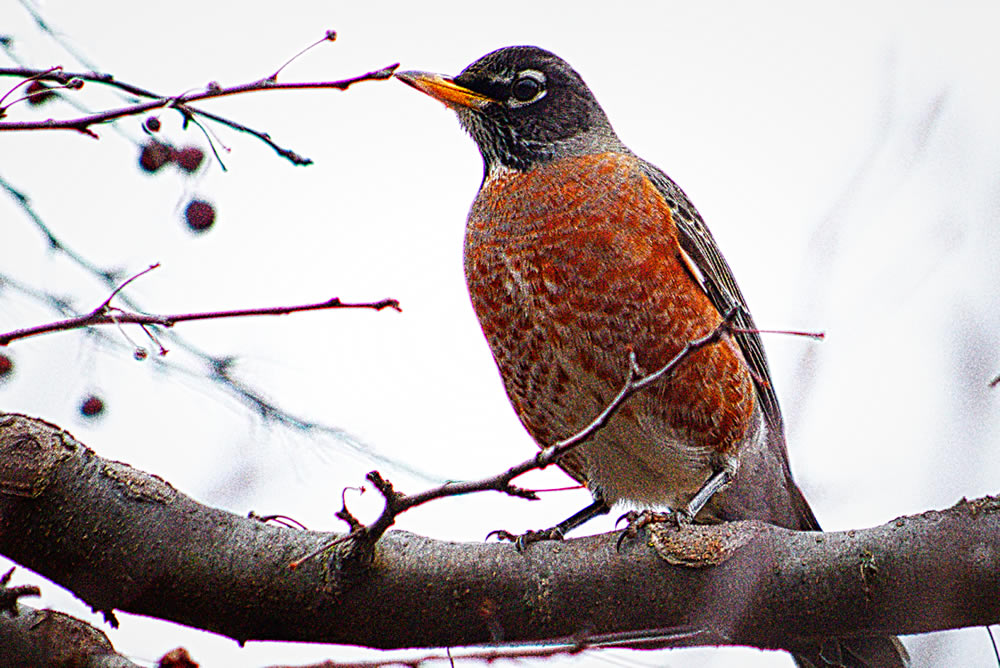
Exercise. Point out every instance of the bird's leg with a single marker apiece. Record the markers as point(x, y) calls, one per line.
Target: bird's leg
point(637, 520)
point(718, 480)
point(598, 507)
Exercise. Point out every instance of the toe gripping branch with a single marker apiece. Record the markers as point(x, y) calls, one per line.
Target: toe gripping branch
point(559, 531)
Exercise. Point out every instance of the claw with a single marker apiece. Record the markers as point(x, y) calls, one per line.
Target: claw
point(621, 539)
point(637, 520)
point(630, 517)
point(501, 535)
point(527, 538)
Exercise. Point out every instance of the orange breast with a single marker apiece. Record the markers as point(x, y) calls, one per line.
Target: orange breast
point(569, 267)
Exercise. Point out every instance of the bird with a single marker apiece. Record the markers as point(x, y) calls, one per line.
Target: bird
point(584, 263)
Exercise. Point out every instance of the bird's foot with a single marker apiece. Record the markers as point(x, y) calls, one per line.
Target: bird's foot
point(521, 541)
point(636, 520)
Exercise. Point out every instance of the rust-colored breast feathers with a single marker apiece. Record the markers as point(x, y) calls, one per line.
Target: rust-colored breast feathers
point(570, 266)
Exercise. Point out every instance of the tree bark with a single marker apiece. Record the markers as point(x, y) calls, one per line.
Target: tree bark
point(50, 638)
point(121, 539)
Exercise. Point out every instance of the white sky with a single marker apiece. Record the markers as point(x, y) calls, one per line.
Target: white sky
point(846, 157)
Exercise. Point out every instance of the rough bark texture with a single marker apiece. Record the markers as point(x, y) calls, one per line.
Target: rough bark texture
point(50, 638)
point(125, 540)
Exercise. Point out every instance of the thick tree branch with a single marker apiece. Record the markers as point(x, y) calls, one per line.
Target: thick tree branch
point(122, 539)
point(52, 638)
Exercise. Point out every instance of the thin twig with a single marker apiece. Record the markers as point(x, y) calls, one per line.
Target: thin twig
point(106, 315)
point(633, 384)
point(818, 336)
point(283, 520)
point(108, 80)
point(330, 36)
point(397, 503)
point(102, 316)
point(83, 123)
point(107, 302)
point(221, 371)
point(28, 80)
point(659, 638)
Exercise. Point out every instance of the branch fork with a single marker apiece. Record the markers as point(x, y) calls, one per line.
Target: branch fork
point(105, 314)
point(397, 503)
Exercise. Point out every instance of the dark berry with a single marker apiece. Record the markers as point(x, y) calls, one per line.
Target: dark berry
point(92, 406)
point(39, 93)
point(6, 366)
point(189, 158)
point(154, 155)
point(152, 123)
point(199, 214)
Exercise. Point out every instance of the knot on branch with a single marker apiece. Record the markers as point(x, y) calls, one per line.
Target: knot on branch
point(521, 492)
point(29, 456)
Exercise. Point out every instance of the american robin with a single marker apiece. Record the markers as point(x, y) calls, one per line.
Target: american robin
point(577, 252)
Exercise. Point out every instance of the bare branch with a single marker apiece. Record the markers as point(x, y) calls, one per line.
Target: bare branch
point(221, 371)
point(113, 535)
point(25, 81)
point(83, 124)
point(104, 315)
point(216, 369)
point(679, 637)
point(186, 110)
point(816, 336)
point(397, 503)
point(107, 302)
point(330, 36)
point(48, 637)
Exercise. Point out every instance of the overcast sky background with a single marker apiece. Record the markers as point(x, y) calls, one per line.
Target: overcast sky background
point(847, 159)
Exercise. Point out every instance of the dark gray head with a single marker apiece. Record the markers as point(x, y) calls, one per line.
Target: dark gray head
point(522, 105)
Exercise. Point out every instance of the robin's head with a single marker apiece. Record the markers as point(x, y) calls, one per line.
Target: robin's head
point(523, 106)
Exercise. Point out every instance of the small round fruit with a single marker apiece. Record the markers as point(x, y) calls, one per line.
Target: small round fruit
point(6, 366)
point(39, 93)
point(154, 155)
point(200, 215)
point(189, 158)
point(92, 406)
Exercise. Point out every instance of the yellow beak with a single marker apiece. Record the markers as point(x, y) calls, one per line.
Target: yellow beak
point(444, 89)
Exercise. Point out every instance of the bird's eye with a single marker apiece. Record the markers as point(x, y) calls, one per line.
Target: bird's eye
point(525, 89)
point(528, 86)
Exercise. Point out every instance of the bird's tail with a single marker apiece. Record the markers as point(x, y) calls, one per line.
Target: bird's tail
point(764, 490)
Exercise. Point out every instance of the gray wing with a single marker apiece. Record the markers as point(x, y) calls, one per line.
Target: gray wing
point(716, 278)
point(720, 286)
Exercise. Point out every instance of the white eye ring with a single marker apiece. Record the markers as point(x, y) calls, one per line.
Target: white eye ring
point(526, 79)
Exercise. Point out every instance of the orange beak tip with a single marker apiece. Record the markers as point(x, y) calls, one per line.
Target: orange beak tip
point(443, 89)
